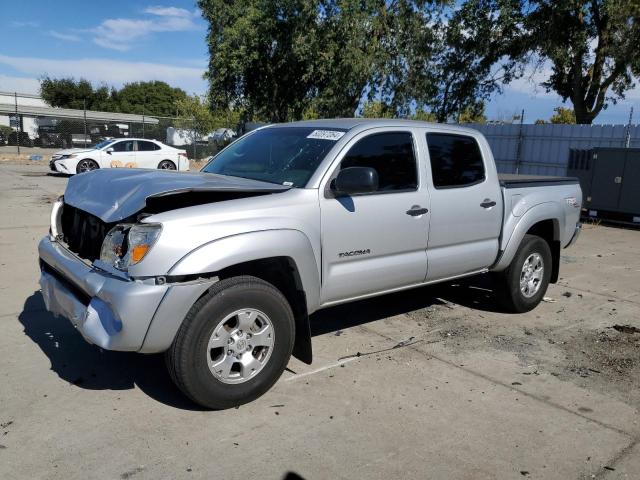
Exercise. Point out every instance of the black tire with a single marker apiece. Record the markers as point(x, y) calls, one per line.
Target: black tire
point(166, 165)
point(513, 299)
point(187, 357)
point(86, 165)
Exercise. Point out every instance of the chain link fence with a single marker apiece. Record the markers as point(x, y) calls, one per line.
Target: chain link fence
point(31, 130)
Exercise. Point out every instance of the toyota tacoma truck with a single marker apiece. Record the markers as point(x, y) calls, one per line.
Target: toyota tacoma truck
point(221, 269)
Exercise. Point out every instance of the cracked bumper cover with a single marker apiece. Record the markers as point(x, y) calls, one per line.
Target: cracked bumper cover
point(111, 312)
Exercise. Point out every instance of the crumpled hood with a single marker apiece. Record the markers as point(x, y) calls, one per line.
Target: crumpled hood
point(117, 193)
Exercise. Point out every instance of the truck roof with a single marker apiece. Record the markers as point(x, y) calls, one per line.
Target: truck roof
point(350, 123)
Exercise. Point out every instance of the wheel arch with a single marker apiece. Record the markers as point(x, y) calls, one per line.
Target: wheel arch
point(85, 159)
point(167, 160)
point(284, 258)
point(543, 220)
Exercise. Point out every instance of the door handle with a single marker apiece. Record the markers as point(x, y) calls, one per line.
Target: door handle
point(488, 203)
point(417, 210)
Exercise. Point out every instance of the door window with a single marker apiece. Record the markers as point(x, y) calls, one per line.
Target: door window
point(390, 154)
point(147, 146)
point(456, 160)
point(123, 146)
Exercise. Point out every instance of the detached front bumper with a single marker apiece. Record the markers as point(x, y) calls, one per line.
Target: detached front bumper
point(111, 312)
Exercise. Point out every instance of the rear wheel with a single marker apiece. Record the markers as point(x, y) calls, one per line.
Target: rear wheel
point(234, 343)
point(525, 281)
point(167, 165)
point(87, 165)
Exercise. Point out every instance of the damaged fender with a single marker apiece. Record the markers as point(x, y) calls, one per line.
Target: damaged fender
point(236, 249)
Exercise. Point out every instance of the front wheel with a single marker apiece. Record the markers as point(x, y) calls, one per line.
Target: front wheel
point(234, 343)
point(525, 281)
point(87, 165)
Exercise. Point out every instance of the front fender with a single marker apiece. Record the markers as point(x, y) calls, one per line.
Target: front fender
point(521, 225)
point(235, 249)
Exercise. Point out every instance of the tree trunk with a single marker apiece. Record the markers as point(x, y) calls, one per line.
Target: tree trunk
point(583, 115)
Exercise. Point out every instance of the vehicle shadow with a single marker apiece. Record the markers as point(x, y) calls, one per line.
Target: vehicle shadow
point(89, 367)
point(474, 292)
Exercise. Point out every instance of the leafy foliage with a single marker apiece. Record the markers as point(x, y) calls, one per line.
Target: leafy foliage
point(151, 98)
point(563, 115)
point(473, 114)
point(279, 60)
point(376, 109)
point(592, 46)
point(194, 115)
point(589, 46)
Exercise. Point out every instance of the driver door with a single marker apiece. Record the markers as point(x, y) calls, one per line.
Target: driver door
point(375, 242)
point(123, 154)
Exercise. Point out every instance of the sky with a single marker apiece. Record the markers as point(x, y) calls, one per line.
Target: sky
point(143, 40)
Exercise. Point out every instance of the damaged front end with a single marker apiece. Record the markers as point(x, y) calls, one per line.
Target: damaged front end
point(98, 231)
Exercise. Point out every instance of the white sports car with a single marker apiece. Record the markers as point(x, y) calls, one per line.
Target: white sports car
point(120, 152)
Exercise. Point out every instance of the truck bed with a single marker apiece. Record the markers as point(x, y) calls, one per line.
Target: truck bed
point(510, 180)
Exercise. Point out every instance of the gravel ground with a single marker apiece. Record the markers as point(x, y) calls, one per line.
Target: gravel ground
point(431, 383)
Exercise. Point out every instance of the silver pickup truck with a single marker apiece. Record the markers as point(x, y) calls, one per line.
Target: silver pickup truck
point(221, 269)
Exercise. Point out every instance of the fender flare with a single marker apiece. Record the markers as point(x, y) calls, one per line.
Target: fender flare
point(537, 213)
point(226, 252)
point(235, 249)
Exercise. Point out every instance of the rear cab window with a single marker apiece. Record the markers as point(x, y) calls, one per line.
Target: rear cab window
point(456, 160)
point(391, 155)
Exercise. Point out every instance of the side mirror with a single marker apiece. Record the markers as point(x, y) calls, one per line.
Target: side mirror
point(353, 180)
point(109, 150)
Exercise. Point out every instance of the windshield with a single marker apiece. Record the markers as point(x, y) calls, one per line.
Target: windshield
point(103, 144)
point(282, 155)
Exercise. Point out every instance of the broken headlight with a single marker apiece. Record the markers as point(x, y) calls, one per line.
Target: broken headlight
point(127, 244)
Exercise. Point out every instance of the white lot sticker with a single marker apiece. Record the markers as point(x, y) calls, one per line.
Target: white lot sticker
point(326, 134)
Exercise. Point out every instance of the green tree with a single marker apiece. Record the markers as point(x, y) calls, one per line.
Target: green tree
point(563, 115)
point(281, 60)
point(469, 61)
point(376, 109)
point(151, 98)
point(194, 115)
point(69, 93)
point(590, 46)
point(424, 116)
point(473, 114)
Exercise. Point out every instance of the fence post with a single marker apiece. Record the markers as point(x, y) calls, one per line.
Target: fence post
point(627, 139)
point(194, 146)
point(144, 102)
point(519, 147)
point(84, 108)
point(19, 127)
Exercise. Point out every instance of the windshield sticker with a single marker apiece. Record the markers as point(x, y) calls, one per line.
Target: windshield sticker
point(326, 135)
point(287, 184)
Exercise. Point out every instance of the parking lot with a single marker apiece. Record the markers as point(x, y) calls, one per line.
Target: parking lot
point(430, 383)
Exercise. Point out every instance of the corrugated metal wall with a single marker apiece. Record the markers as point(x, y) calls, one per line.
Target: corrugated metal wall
point(544, 149)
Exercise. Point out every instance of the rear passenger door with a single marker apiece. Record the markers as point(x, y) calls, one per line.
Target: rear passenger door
point(376, 241)
point(466, 206)
point(148, 154)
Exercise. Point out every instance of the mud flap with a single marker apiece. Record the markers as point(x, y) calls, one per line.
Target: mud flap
point(302, 347)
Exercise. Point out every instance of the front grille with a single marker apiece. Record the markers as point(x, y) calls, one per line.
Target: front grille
point(83, 233)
